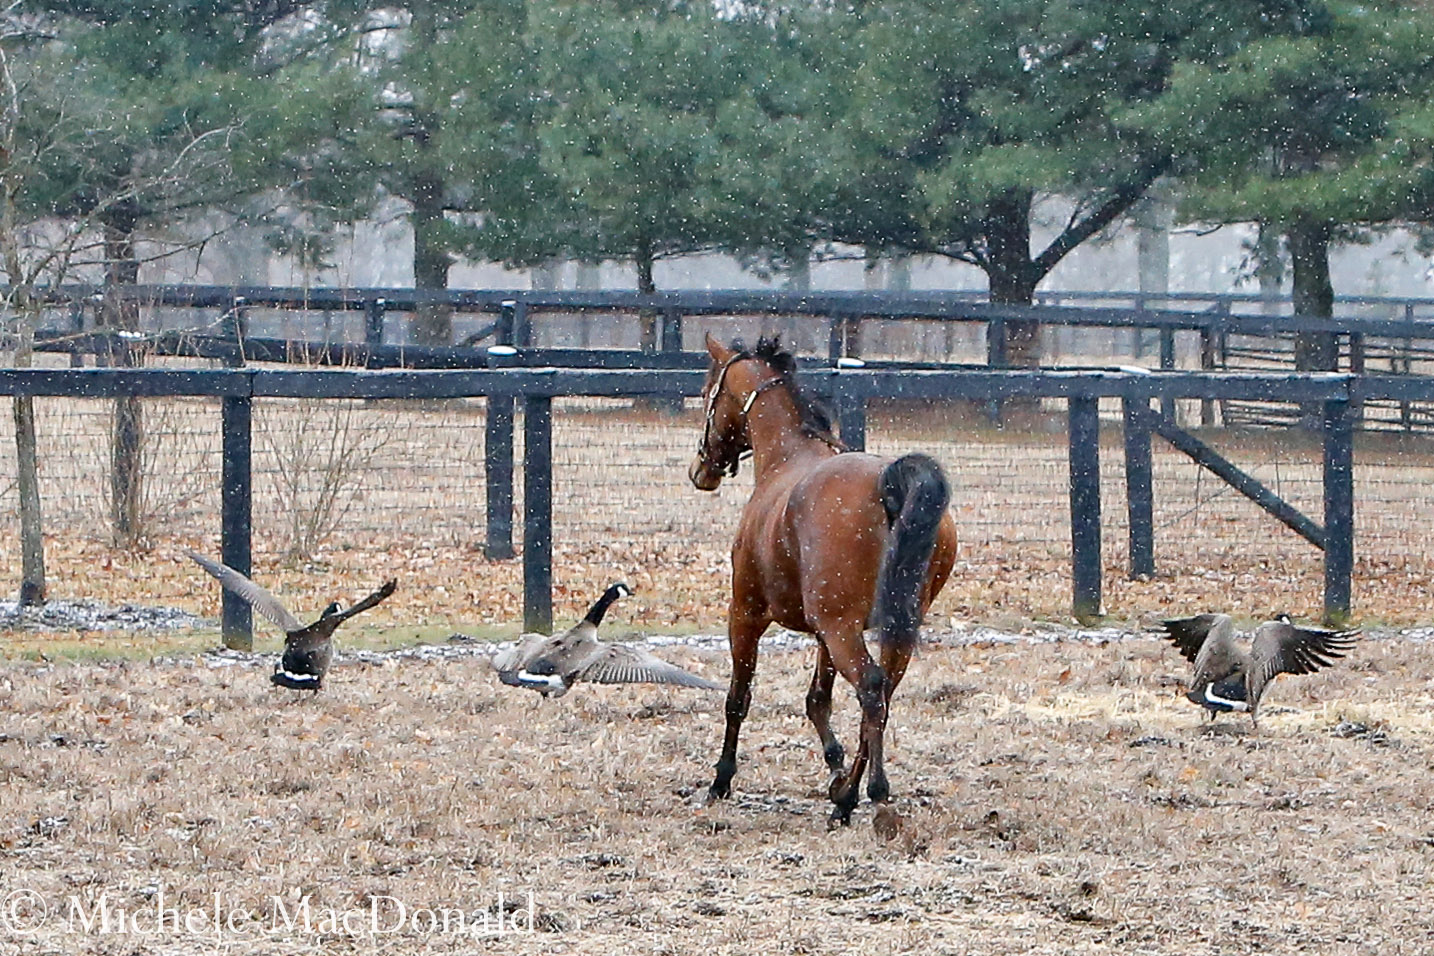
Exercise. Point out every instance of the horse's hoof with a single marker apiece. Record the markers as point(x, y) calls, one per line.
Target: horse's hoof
point(887, 822)
point(841, 817)
point(715, 793)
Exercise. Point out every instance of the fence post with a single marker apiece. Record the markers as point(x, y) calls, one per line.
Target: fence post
point(236, 621)
point(77, 328)
point(996, 343)
point(1207, 364)
point(1085, 507)
point(851, 336)
point(538, 513)
point(1338, 510)
point(498, 461)
point(851, 407)
point(671, 330)
point(1167, 363)
point(1139, 494)
point(995, 358)
point(373, 322)
point(671, 346)
point(238, 329)
point(498, 446)
point(1356, 367)
point(507, 315)
point(522, 326)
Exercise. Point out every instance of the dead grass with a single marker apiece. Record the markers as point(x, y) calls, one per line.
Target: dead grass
point(1057, 799)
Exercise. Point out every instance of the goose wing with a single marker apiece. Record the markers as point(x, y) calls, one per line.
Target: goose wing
point(376, 597)
point(623, 664)
point(1220, 657)
point(525, 650)
point(1280, 647)
point(1188, 633)
point(255, 596)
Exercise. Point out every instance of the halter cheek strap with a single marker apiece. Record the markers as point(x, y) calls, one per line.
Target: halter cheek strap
point(768, 384)
point(746, 408)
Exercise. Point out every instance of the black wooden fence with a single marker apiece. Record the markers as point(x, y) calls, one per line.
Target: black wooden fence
point(514, 313)
point(849, 388)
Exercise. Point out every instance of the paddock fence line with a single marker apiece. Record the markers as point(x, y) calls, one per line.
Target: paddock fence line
point(528, 395)
point(369, 327)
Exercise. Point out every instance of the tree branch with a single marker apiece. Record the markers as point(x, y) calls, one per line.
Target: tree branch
point(1119, 200)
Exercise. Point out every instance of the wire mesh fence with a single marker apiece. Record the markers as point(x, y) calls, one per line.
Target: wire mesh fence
point(351, 491)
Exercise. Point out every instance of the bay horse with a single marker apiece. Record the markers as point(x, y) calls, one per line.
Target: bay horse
point(830, 543)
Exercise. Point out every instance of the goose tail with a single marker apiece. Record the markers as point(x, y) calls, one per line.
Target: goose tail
point(1223, 698)
point(293, 681)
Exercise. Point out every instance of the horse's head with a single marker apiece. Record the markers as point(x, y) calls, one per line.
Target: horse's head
point(724, 428)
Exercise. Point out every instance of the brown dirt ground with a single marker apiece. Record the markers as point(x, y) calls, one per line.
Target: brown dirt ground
point(1057, 798)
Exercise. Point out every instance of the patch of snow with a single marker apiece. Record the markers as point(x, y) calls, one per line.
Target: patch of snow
point(65, 615)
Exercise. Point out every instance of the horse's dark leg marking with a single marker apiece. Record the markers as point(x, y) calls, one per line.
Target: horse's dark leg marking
point(819, 709)
point(742, 634)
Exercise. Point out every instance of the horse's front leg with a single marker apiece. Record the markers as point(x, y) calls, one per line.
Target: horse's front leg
point(743, 633)
point(819, 709)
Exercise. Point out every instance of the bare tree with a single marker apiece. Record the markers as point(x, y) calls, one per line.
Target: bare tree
point(50, 137)
point(23, 271)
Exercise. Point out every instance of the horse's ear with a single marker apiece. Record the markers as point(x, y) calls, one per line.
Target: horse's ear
point(719, 352)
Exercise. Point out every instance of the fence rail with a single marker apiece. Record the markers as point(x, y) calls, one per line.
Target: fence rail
point(842, 312)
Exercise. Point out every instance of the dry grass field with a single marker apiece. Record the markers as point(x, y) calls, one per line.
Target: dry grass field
point(1057, 798)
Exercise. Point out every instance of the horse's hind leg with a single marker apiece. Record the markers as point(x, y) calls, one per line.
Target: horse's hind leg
point(819, 709)
point(893, 664)
point(743, 633)
point(851, 660)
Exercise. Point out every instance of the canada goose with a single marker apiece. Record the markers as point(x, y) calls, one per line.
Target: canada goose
point(551, 665)
point(1230, 678)
point(308, 649)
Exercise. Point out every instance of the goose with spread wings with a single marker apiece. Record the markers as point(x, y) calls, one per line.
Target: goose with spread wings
point(308, 648)
point(552, 665)
point(1230, 677)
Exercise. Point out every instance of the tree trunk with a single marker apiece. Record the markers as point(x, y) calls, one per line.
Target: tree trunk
point(27, 477)
point(1269, 267)
point(32, 540)
point(20, 303)
point(645, 285)
point(1313, 296)
point(1313, 292)
point(649, 330)
point(433, 324)
point(1151, 216)
point(127, 432)
point(1012, 276)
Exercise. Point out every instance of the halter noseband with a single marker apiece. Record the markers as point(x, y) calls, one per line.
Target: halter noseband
point(703, 447)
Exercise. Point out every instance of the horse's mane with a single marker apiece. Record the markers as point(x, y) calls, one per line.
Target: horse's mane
point(816, 418)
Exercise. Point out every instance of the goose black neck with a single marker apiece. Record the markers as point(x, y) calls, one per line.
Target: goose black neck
point(599, 608)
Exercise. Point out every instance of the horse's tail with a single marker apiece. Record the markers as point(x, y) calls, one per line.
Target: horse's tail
point(915, 494)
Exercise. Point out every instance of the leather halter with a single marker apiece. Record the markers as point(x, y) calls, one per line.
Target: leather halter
point(703, 446)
